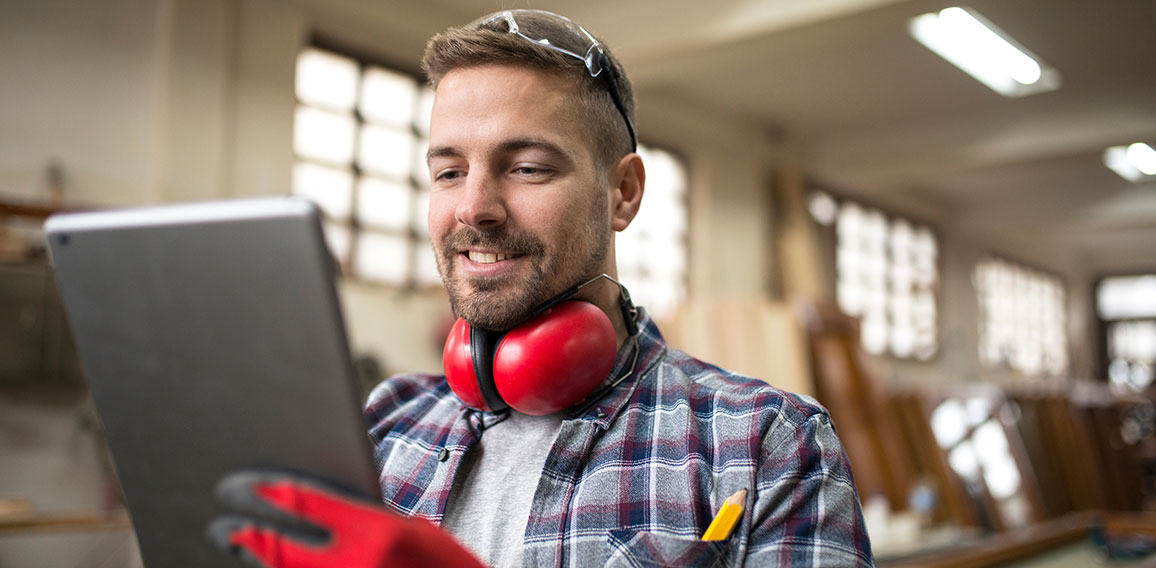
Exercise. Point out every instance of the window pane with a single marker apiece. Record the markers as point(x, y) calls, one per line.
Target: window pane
point(902, 339)
point(330, 188)
point(664, 258)
point(337, 237)
point(627, 250)
point(384, 204)
point(385, 151)
point(424, 110)
point(323, 136)
point(421, 214)
point(664, 172)
point(326, 79)
point(664, 217)
point(382, 257)
point(1127, 297)
point(419, 167)
point(427, 268)
point(651, 252)
point(1132, 350)
point(850, 297)
point(874, 332)
point(388, 97)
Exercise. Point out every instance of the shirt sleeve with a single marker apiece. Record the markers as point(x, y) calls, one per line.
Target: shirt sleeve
point(806, 511)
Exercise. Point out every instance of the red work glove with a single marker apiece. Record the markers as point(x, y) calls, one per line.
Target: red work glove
point(291, 521)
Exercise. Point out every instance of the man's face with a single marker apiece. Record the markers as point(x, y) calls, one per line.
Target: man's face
point(518, 212)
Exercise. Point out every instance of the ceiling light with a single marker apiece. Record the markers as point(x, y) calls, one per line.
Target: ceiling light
point(1135, 162)
point(1143, 157)
point(992, 57)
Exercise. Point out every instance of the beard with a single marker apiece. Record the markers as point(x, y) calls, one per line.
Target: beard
point(502, 302)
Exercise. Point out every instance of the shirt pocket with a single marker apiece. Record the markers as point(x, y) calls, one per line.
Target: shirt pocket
point(647, 549)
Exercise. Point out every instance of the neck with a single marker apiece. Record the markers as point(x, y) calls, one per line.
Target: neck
point(607, 295)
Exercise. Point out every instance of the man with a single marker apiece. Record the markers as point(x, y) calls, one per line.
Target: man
point(533, 168)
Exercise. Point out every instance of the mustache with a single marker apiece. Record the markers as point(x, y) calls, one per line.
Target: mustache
point(503, 239)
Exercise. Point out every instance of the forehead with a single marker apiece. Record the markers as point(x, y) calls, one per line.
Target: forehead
point(473, 104)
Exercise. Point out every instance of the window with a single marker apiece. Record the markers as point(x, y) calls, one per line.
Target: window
point(886, 275)
point(1021, 318)
point(360, 140)
point(1127, 307)
point(651, 252)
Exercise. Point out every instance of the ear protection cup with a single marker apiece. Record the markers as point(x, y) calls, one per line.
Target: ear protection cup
point(547, 364)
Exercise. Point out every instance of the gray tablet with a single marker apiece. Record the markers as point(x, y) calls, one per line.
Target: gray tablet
point(212, 339)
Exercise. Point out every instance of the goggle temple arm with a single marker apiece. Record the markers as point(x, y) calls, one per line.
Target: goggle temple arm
point(612, 82)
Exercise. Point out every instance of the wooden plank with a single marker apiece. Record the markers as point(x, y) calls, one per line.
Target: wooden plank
point(33, 521)
point(1011, 546)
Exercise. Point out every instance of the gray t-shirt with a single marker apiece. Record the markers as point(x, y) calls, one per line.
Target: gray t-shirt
point(488, 508)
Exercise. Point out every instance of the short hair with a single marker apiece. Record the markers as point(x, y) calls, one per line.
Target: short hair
point(476, 45)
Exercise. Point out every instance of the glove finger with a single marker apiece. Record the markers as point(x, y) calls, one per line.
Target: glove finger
point(240, 490)
point(321, 505)
point(265, 545)
point(220, 533)
point(290, 497)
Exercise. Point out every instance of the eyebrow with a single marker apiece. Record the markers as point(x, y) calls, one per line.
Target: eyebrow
point(505, 147)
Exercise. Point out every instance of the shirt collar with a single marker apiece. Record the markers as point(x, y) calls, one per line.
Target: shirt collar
point(650, 347)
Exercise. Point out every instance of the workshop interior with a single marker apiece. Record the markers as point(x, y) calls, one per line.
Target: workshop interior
point(937, 219)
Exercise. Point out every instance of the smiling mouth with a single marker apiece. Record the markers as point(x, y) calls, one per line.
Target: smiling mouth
point(488, 257)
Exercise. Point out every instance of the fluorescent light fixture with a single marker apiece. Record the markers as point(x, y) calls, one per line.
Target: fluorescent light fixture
point(1143, 157)
point(970, 42)
point(1135, 162)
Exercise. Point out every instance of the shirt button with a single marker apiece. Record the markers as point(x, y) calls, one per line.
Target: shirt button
point(601, 414)
point(443, 455)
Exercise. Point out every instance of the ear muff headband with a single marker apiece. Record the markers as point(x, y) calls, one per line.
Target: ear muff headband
point(483, 346)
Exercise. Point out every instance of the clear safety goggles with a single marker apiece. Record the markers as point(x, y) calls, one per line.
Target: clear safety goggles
point(568, 38)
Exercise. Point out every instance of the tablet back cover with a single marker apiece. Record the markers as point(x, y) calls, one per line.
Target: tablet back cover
point(212, 339)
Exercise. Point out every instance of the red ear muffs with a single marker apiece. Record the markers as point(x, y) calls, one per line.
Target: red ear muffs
point(547, 364)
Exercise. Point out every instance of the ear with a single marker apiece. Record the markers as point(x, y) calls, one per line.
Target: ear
point(629, 181)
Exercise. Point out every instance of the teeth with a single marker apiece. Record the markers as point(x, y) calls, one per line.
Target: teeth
point(486, 258)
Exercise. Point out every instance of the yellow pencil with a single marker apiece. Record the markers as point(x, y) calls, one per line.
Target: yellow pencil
point(728, 516)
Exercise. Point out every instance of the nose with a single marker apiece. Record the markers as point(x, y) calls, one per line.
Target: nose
point(482, 205)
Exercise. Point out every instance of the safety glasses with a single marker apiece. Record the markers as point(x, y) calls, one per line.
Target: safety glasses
point(562, 35)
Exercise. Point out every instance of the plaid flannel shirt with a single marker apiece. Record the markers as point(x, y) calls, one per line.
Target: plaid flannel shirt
point(636, 479)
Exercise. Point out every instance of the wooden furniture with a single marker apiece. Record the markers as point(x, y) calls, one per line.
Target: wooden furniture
point(1039, 540)
point(971, 447)
point(858, 405)
point(1074, 436)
